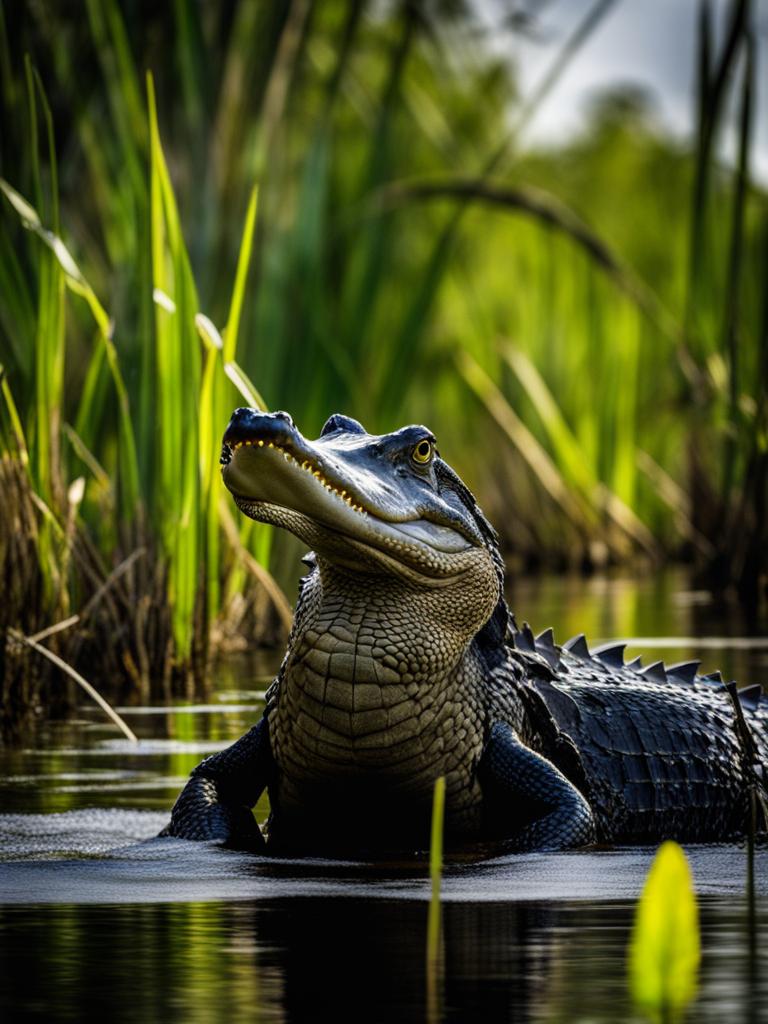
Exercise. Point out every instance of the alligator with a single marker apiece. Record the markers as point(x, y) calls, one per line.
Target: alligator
point(405, 664)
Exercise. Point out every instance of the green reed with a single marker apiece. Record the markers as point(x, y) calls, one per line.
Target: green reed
point(190, 394)
point(434, 966)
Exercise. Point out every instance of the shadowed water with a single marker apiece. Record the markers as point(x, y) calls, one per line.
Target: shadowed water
point(113, 923)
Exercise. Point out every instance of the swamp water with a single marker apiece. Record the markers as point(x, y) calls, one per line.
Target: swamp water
point(99, 921)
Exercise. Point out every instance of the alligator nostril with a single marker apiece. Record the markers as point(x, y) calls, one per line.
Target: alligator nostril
point(284, 416)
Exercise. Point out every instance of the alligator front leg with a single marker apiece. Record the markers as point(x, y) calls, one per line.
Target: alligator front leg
point(519, 783)
point(216, 802)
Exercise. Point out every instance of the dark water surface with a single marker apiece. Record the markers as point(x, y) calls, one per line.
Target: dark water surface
point(100, 921)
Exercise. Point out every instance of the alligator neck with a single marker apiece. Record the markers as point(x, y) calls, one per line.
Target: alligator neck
point(372, 677)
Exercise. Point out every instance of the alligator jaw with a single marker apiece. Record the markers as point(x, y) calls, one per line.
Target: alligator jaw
point(344, 510)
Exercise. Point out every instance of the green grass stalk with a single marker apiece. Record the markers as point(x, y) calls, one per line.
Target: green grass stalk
point(177, 347)
point(434, 928)
point(732, 318)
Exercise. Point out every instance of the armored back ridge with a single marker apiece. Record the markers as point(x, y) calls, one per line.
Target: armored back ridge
point(404, 664)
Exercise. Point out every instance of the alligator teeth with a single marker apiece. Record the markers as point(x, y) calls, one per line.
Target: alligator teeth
point(305, 465)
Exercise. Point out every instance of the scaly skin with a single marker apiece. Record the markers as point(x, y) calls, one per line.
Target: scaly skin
point(404, 664)
point(359, 728)
point(660, 759)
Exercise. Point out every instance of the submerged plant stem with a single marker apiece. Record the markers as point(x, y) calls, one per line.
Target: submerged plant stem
point(73, 674)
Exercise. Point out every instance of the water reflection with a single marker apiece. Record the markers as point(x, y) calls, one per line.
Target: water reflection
point(355, 959)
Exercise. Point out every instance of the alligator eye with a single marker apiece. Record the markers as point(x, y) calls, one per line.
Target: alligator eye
point(422, 453)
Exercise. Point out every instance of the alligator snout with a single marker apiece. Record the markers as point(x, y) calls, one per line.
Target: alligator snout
point(247, 424)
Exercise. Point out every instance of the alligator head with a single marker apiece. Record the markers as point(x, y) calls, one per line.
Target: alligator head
point(373, 504)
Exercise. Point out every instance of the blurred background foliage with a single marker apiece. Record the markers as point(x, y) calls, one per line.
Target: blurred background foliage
point(585, 327)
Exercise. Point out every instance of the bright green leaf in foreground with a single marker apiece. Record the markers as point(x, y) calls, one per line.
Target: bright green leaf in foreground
point(664, 950)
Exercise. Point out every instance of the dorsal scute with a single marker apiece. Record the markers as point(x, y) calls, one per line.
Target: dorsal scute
point(577, 646)
point(546, 638)
point(547, 648)
point(524, 639)
point(610, 654)
point(712, 678)
point(655, 672)
point(750, 696)
point(683, 671)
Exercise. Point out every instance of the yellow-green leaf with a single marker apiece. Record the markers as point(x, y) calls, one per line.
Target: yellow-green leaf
point(244, 385)
point(664, 950)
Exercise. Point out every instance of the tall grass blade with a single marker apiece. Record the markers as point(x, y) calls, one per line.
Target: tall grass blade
point(731, 326)
point(86, 456)
point(76, 282)
point(17, 310)
point(13, 414)
point(436, 837)
point(569, 457)
point(122, 83)
point(434, 928)
point(401, 357)
point(49, 359)
point(241, 276)
point(252, 534)
point(563, 58)
point(92, 397)
point(712, 85)
point(178, 508)
point(245, 386)
point(210, 425)
point(539, 462)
